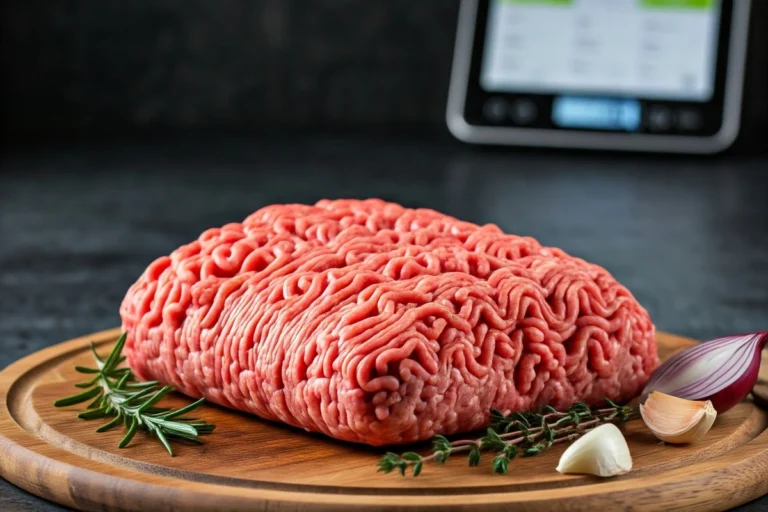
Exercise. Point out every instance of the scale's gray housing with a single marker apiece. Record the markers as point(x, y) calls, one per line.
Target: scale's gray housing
point(511, 136)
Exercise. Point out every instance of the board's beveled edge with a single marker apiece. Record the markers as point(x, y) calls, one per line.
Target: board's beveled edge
point(85, 487)
point(15, 370)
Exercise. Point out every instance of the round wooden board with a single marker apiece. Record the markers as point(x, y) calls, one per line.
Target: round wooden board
point(251, 464)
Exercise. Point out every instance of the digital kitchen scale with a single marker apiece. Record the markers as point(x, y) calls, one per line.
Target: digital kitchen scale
point(643, 75)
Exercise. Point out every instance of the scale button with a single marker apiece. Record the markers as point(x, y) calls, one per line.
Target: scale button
point(495, 110)
point(659, 118)
point(689, 119)
point(524, 111)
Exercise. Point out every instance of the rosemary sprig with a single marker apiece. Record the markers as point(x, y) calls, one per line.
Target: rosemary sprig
point(517, 434)
point(116, 394)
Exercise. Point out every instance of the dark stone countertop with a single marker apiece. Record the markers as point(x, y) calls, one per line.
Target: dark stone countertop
point(78, 225)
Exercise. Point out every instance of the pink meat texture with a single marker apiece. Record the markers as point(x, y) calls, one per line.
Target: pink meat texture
point(379, 324)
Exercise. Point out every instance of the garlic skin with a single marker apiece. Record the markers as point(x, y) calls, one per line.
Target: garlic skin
point(677, 420)
point(601, 452)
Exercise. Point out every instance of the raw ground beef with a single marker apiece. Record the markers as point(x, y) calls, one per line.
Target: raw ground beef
point(379, 324)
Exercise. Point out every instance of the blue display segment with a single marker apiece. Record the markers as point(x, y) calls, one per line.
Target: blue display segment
point(596, 113)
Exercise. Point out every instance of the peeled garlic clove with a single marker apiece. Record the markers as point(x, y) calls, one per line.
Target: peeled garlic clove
point(602, 452)
point(677, 420)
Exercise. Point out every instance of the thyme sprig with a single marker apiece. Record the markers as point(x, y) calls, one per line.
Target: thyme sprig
point(116, 393)
point(517, 434)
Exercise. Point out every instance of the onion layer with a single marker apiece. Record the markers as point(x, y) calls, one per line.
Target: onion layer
point(723, 371)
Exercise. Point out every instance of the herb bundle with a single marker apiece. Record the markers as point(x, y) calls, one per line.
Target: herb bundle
point(116, 393)
point(524, 434)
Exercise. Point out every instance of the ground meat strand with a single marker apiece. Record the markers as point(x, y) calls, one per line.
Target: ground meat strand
point(379, 324)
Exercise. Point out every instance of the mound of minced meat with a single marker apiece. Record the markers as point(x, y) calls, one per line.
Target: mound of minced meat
point(379, 324)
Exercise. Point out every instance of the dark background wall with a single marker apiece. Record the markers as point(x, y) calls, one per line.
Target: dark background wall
point(101, 67)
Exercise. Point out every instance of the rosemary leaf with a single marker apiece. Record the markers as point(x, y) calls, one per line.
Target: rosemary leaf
point(93, 414)
point(156, 411)
point(159, 433)
point(96, 401)
point(180, 437)
point(155, 398)
point(111, 361)
point(179, 428)
point(132, 397)
point(141, 385)
point(122, 381)
point(204, 428)
point(184, 410)
point(131, 432)
point(96, 354)
point(83, 369)
point(78, 398)
point(88, 383)
point(112, 424)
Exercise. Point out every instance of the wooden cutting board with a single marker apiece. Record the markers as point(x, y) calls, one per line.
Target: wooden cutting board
point(251, 464)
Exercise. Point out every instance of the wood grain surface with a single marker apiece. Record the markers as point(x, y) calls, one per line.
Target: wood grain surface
point(251, 464)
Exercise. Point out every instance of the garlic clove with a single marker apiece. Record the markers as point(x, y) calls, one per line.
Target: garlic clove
point(677, 420)
point(602, 452)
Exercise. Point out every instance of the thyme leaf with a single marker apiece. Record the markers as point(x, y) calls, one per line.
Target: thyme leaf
point(520, 433)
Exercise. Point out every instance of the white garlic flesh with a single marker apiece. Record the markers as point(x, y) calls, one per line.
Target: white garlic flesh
point(601, 452)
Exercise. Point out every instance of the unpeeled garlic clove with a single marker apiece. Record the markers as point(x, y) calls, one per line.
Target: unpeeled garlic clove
point(602, 452)
point(677, 420)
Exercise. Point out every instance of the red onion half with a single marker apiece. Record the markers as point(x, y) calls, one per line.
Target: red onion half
point(723, 370)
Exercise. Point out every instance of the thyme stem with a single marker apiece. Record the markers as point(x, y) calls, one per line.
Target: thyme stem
point(528, 433)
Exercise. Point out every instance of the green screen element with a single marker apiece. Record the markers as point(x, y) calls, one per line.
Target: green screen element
point(678, 4)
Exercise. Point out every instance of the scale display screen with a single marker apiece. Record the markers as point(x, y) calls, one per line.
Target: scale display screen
point(641, 48)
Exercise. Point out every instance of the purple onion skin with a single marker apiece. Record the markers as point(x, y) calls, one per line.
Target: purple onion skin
point(727, 398)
